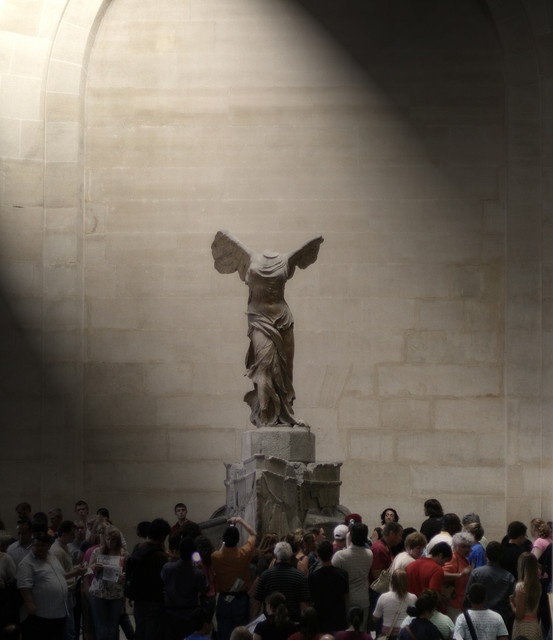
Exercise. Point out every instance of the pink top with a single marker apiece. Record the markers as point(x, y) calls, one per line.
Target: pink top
point(541, 544)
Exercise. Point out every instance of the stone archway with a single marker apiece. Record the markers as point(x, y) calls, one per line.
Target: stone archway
point(63, 259)
point(526, 72)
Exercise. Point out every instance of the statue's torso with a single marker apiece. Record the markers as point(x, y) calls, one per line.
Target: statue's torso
point(266, 278)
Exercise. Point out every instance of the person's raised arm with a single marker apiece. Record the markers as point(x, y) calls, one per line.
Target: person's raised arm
point(243, 523)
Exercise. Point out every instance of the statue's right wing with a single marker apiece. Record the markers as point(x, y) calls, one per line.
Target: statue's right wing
point(230, 254)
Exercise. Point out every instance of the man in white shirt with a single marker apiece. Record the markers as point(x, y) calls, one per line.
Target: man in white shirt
point(43, 588)
point(60, 549)
point(451, 524)
point(22, 546)
point(488, 624)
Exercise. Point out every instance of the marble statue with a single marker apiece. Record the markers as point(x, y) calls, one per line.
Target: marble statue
point(270, 356)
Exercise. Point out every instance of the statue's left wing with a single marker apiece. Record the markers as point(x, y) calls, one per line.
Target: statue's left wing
point(305, 255)
point(230, 254)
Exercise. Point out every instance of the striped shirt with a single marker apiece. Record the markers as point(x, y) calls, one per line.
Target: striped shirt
point(290, 582)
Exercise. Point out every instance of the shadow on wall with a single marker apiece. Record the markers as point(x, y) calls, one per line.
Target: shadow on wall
point(420, 54)
point(21, 411)
point(369, 30)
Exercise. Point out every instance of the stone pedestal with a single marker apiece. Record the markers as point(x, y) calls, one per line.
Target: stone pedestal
point(296, 444)
point(279, 487)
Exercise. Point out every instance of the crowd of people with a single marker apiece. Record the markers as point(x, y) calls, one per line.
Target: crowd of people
point(63, 579)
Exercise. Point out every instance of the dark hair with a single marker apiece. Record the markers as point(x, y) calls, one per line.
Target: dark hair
point(324, 550)
point(277, 602)
point(79, 503)
point(191, 529)
point(102, 511)
point(477, 593)
point(205, 549)
point(516, 529)
point(186, 549)
point(143, 528)
point(66, 526)
point(476, 529)
point(42, 536)
point(391, 527)
point(309, 623)
point(199, 617)
point(174, 541)
point(408, 531)
point(359, 534)
point(396, 516)
point(231, 536)
point(494, 551)
point(159, 529)
point(39, 522)
point(452, 523)
point(433, 508)
point(425, 602)
point(180, 504)
point(441, 548)
point(23, 505)
point(24, 521)
point(355, 617)
point(308, 541)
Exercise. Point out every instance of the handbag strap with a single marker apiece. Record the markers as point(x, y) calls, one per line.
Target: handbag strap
point(408, 627)
point(470, 625)
point(394, 621)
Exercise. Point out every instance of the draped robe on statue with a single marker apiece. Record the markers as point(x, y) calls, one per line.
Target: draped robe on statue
point(270, 356)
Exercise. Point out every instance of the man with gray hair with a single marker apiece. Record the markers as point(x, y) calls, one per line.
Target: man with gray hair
point(286, 579)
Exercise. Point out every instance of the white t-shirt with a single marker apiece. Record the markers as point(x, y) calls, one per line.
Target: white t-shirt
point(488, 625)
point(401, 561)
point(387, 607)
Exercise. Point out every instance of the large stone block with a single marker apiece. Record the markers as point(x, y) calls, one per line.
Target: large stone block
point(293, 444)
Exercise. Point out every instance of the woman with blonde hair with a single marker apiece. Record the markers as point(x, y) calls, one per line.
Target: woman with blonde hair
point(541, 532)
point(105, 595)
point(391, 607)
point(307, 547)
point(526, 599)
point(414, 546)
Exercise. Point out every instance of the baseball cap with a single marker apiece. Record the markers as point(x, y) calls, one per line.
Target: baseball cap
point(340, 532)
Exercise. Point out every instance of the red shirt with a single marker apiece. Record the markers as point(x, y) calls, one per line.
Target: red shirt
point(382, 557)
point(456, 565)
point(424, 573)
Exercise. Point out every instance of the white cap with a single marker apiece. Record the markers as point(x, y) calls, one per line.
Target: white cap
point(340, 532)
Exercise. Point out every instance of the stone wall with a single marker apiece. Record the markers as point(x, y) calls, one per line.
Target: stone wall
point(131, 134)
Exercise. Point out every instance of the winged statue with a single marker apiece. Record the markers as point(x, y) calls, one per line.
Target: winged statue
point(270, 356)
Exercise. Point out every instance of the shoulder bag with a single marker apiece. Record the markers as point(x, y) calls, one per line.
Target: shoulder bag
point(470, 626)
point(385, 636)
point(382, 583)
